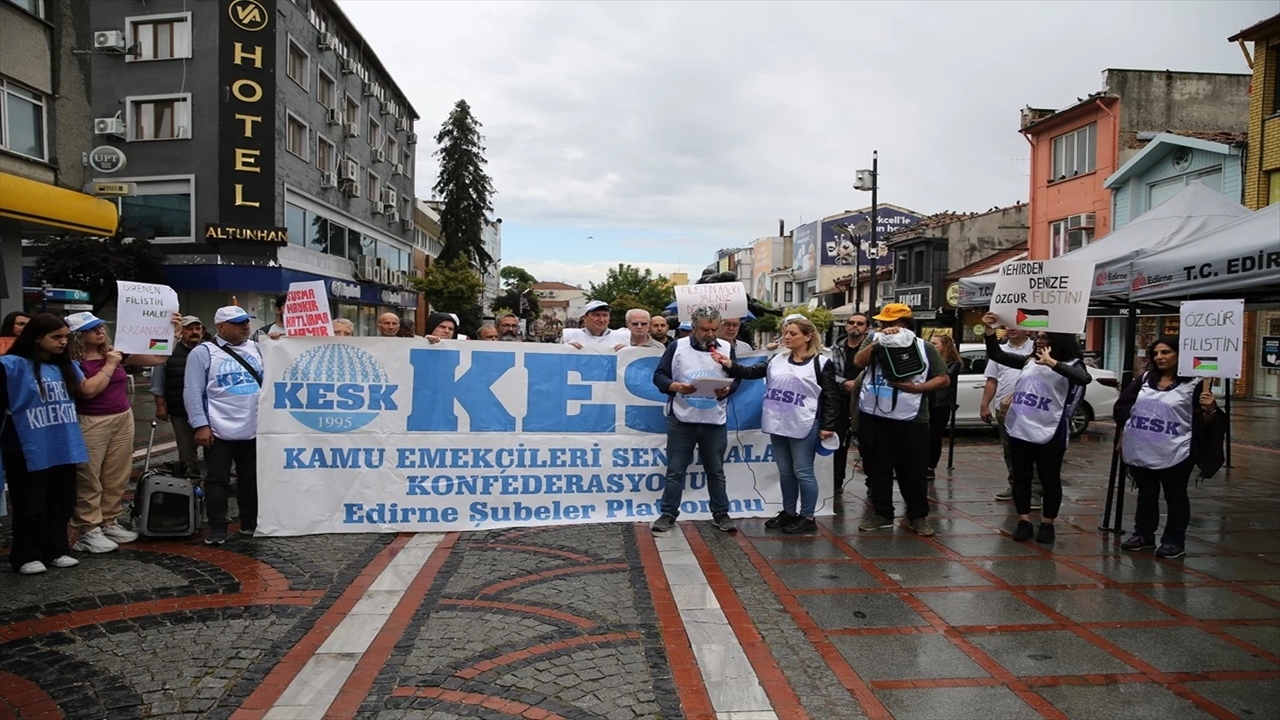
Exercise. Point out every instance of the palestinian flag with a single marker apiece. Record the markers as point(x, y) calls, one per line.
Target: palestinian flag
point(1204, 364)
point(158, 345)
point(1033, 318)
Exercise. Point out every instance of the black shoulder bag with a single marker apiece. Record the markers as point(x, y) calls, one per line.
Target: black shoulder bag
point(243, 363)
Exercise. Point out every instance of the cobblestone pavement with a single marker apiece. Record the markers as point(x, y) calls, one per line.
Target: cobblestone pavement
point(593, 621)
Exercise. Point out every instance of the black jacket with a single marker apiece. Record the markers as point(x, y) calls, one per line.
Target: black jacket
point(1208, 433)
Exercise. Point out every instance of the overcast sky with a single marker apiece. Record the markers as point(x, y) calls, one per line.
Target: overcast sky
point(655, 133)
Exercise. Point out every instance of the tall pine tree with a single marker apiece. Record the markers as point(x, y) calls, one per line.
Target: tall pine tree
point(464, 187)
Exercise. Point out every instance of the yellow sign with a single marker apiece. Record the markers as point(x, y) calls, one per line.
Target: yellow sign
point(953, 294)
point(248, 15)
point(113, 189)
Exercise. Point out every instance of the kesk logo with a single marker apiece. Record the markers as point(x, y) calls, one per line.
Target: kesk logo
point(232, 378)
point(335, 388)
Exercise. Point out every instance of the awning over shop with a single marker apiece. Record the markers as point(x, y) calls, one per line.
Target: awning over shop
point(40, 207)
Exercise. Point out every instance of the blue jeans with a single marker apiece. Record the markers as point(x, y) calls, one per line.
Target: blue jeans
point(795, 470)
point(712, 441)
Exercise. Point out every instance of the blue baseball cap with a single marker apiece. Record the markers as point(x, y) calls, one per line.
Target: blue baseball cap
point(231, 314)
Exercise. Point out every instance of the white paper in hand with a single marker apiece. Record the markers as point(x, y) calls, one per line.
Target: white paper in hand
point(707, 386)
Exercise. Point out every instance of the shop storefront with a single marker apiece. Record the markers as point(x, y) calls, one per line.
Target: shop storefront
point(1265, 356)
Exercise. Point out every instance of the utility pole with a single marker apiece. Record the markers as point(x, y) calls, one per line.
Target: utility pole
point(870, 180)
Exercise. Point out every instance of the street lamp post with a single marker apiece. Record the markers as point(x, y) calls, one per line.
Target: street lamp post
point(870, 180)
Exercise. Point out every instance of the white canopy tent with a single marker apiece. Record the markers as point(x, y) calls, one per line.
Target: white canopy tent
point(1231, 260)
point(1192, 212)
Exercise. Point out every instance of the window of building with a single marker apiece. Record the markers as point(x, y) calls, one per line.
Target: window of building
point(1075, 153)
point(326, 89)
point(160, 210)
point(787, 292)
point(1071, 233)
point(393, 150)
point(298, 65)
point(374, 188)
point(351, 114)
point(156, 117)
point(296, 137)
point(375, 133)
point(326, 154)
point(22, 128)
point(408, 164)
point(35, 7)
point(917, 265)
point(158, 37)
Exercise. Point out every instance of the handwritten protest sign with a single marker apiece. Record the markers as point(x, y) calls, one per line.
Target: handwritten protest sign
point(1043, 295)
point(306, 310)
point(144, 317)
point(1211, 338)
point(729, 298)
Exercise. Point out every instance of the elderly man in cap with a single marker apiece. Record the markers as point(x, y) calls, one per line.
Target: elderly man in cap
point(894, 424)
point(595, 329)
point(222, 381)
point(167, 383)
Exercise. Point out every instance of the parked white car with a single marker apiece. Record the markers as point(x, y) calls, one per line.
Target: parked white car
point(1099, 397)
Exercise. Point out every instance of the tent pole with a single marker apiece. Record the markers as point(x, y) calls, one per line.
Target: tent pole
point(1121, 471)
point(957, 330)
point(1228, 404)
point(1105, 526)
point(1118, 468)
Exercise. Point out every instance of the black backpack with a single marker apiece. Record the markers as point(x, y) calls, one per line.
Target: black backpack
point(898, 364)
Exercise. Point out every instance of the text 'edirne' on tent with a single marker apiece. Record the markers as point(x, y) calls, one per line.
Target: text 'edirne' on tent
point(1238, 260)
point(1176, 224)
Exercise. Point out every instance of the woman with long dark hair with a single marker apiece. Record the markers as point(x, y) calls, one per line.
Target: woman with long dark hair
point(40, 442)
point(942, 402)
point(11, 328)
point(1165, 427)
point(1038, 421)
point(800, 409)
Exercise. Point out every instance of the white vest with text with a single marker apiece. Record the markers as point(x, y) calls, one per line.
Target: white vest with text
point(687, 365)
point(1039, 404)
point(231, 393)
point(791, 396)
point(1158, 433)
point(877, 397)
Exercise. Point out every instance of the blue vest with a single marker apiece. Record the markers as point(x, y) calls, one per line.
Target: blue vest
point(48, 427)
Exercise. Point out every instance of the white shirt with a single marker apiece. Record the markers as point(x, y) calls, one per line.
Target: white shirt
point(1005, 376)
point(609, 339)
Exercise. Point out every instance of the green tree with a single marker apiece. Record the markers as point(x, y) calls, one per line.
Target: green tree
point(94, 264)
point(626, 287)
point(454, 287)
point(517, 294)
point(821, 316)
point(464, 187)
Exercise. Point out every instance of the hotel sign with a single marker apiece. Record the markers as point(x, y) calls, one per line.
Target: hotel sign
point(246, 118)
point(217, 233)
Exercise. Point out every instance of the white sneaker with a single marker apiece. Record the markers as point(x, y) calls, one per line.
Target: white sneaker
point(118, 534)
point(35, 567)
point(65, 561)
point(94, 541)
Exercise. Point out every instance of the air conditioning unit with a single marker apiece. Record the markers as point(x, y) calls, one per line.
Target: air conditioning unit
point(415, 273)
point(401, 124)
point(399, 168)
point(407, 226)
point(109, 126)
point(350, 169)
point(328, 180)
point(367, 268)
point(351, 130)
point(109, 40)
point(370, 90)
point(333, 116)
point(348, 66)
point(328, 41)
point(379, 155)
point(404, 279)
point(380, 271)
point(351, 188)
point(389, 197)
point(411, 138)
point(393, 215)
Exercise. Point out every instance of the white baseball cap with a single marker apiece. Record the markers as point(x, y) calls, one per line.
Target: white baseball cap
point(83, 321)
point(231, 314)
point(595, 305)
point(828, 445)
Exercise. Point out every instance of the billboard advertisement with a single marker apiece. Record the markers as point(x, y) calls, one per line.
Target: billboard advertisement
point(839, 250)
point(765, 256)
point(804, 262)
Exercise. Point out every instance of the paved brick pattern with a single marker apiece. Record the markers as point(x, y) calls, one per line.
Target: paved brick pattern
point(556, 619)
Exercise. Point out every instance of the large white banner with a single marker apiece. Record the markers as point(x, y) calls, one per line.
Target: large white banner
point(1211, 336)
point(144, 318)
point(391, 434)
point(1043, 295)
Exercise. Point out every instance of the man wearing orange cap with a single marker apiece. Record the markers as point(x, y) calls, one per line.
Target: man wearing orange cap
point(894, 423)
